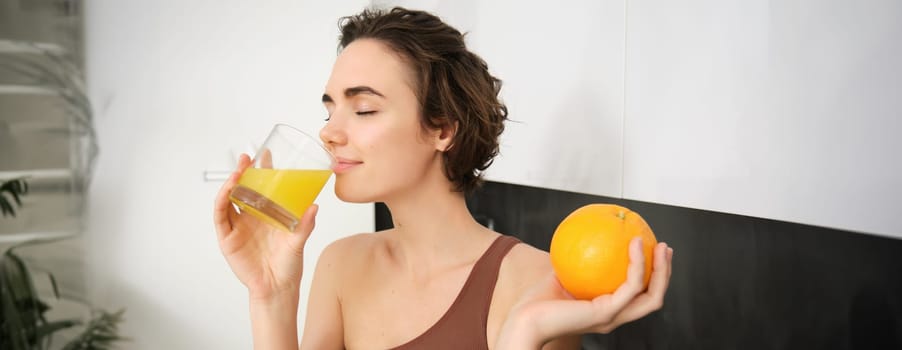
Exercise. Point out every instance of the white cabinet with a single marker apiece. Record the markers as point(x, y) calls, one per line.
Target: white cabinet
point(784, 110)
point(562, 68)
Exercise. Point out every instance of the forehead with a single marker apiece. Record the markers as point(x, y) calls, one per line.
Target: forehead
point(368, 62)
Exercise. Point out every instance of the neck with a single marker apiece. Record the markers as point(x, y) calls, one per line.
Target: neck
point(434, 228)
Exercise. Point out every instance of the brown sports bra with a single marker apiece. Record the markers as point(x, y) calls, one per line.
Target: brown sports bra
point(463, 325)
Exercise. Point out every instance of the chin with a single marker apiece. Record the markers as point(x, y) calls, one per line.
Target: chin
point(351, 195)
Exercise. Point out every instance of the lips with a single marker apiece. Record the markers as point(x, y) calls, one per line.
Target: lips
point(343, 165)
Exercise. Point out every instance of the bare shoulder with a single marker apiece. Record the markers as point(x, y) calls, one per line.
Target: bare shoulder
point(355, 241)
point(349, 249)
point(350, 257)
point(525, 264)
point(336, 265)
point(522, 268)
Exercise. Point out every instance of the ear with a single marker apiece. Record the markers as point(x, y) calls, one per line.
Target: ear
point(444, 136)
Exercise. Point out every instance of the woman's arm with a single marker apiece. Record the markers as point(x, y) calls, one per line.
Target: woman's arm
point(274, 322)
point(548, 312)
point(324, 328)
point(268, 261)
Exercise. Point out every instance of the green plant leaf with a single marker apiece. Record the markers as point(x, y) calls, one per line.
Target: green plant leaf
point(28, 292)
point(48, 329)
point(6, 207)
point(21, 304)
point(12, 330)
point(101, 332)
point(14, 188)
point(56, 290)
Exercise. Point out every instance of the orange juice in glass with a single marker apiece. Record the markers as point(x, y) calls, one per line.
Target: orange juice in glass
point(288, 172)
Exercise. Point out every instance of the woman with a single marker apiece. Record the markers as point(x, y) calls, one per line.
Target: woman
point(414, 118)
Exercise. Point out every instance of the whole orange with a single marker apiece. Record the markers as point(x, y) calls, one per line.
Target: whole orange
point(590, 249)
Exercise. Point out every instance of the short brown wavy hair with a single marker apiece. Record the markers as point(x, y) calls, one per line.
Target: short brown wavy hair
point(452, 84)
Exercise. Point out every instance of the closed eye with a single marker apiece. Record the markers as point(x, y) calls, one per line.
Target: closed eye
point(366, 112)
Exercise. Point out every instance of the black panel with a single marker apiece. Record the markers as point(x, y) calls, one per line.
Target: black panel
point(738, 282)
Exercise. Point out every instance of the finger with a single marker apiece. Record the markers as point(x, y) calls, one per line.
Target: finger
point(304, 228)
point(244, 161)
point(223, 212)
point(635, 277)
point(611, 305)
point(222, 207)
point(556, 317)
point(661, 281)
point(266, 159)
point(661, 271)
point(653, 299)
point(669, 260)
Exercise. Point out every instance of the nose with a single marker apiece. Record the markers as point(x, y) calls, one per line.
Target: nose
point(332, 135)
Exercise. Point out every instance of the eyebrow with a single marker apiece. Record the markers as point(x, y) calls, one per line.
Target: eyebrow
point(354, 91)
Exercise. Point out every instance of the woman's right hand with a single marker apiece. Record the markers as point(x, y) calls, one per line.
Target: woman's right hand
point(267, 260)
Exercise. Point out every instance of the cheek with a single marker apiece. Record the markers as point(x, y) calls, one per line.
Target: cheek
point(389, 143)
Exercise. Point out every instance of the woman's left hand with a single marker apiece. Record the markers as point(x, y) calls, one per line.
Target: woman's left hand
point(548, 312)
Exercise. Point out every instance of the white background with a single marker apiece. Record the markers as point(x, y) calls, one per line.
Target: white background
point(789, 110)
point(180, 88)
point(782, 110)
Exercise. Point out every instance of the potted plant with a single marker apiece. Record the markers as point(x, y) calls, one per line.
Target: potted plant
point(23, 321)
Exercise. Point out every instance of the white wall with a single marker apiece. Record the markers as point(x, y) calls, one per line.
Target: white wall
point(783, 110)
point(562, 72)
point(179, 88)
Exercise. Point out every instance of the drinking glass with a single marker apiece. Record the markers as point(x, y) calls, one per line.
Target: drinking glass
point(288, 173)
